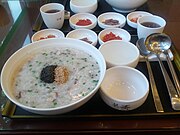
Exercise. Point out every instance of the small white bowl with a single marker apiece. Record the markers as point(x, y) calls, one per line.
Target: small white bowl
point(135, 16)
point(83, 6)
point(124, 88)
point(111, 15)
point(47, 33)
point(120, 53)
point(82, 34)
point(117, 31)
point(83, 16)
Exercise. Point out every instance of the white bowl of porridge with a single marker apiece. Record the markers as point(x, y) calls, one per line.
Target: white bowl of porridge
point(53, 76)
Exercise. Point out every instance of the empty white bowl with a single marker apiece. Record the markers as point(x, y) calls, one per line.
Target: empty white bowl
point(125, 6)
point(117, 32)
point(84, 34)
point(83, 6)
point(46, 34)
point(82, 16)
point(134, 16)
point(124, 88)
point(113, 16)
point(120, 53)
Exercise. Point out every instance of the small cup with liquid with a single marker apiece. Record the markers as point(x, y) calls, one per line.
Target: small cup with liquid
point(53, 15)
point(148, 25)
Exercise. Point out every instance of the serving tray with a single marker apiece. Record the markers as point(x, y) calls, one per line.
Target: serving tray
point(95, 107)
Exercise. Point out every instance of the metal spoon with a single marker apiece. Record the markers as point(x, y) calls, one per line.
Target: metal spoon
point(158, 43)
point(164, 42)
point(144, 52)
point(174, 75)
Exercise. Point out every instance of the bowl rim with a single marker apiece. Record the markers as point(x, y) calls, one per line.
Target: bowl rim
point(43, 7)
point(112, 29)
point(129, 100)
point(102, 25)
point(47, 30)
point(85, 30)
point(109, 43)
point(153, 16)
point(91, 26)
point(40, 45)
point(133, 24)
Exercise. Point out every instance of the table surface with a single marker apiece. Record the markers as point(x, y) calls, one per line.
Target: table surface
point(21, 19)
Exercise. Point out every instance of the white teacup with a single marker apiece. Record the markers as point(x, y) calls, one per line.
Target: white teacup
point(147, 25)
point(53, 15)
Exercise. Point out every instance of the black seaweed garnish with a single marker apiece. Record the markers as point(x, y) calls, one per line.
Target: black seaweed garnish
point(47, 74)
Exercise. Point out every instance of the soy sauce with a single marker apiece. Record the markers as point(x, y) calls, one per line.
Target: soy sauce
point(150, 24)
point(52, 11)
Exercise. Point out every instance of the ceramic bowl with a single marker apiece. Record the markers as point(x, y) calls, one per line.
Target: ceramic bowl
point(84, 34)
point(120, 53)
point(111, 20)
point(81, 17)
point(46, 34)
point(19, 57)
point(134, 16)
point(125, 6)
point(123, 34)
point(124, 88)
point(83, 6)
point(147, 25)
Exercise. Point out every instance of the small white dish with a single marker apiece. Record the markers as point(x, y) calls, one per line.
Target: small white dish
point(134, 16)
point(47, 33)
point(83, 6)
point(83, 16)
point(84, 34)
point(124, 88)
point(116, 31)
point(111, 20)
point(120, 53)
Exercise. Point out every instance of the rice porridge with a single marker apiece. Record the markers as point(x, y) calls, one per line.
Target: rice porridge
point(56, 77)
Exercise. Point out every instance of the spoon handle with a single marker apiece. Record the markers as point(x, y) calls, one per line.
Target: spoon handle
point(175, 78)
point(155, 94)
point(175, 100)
